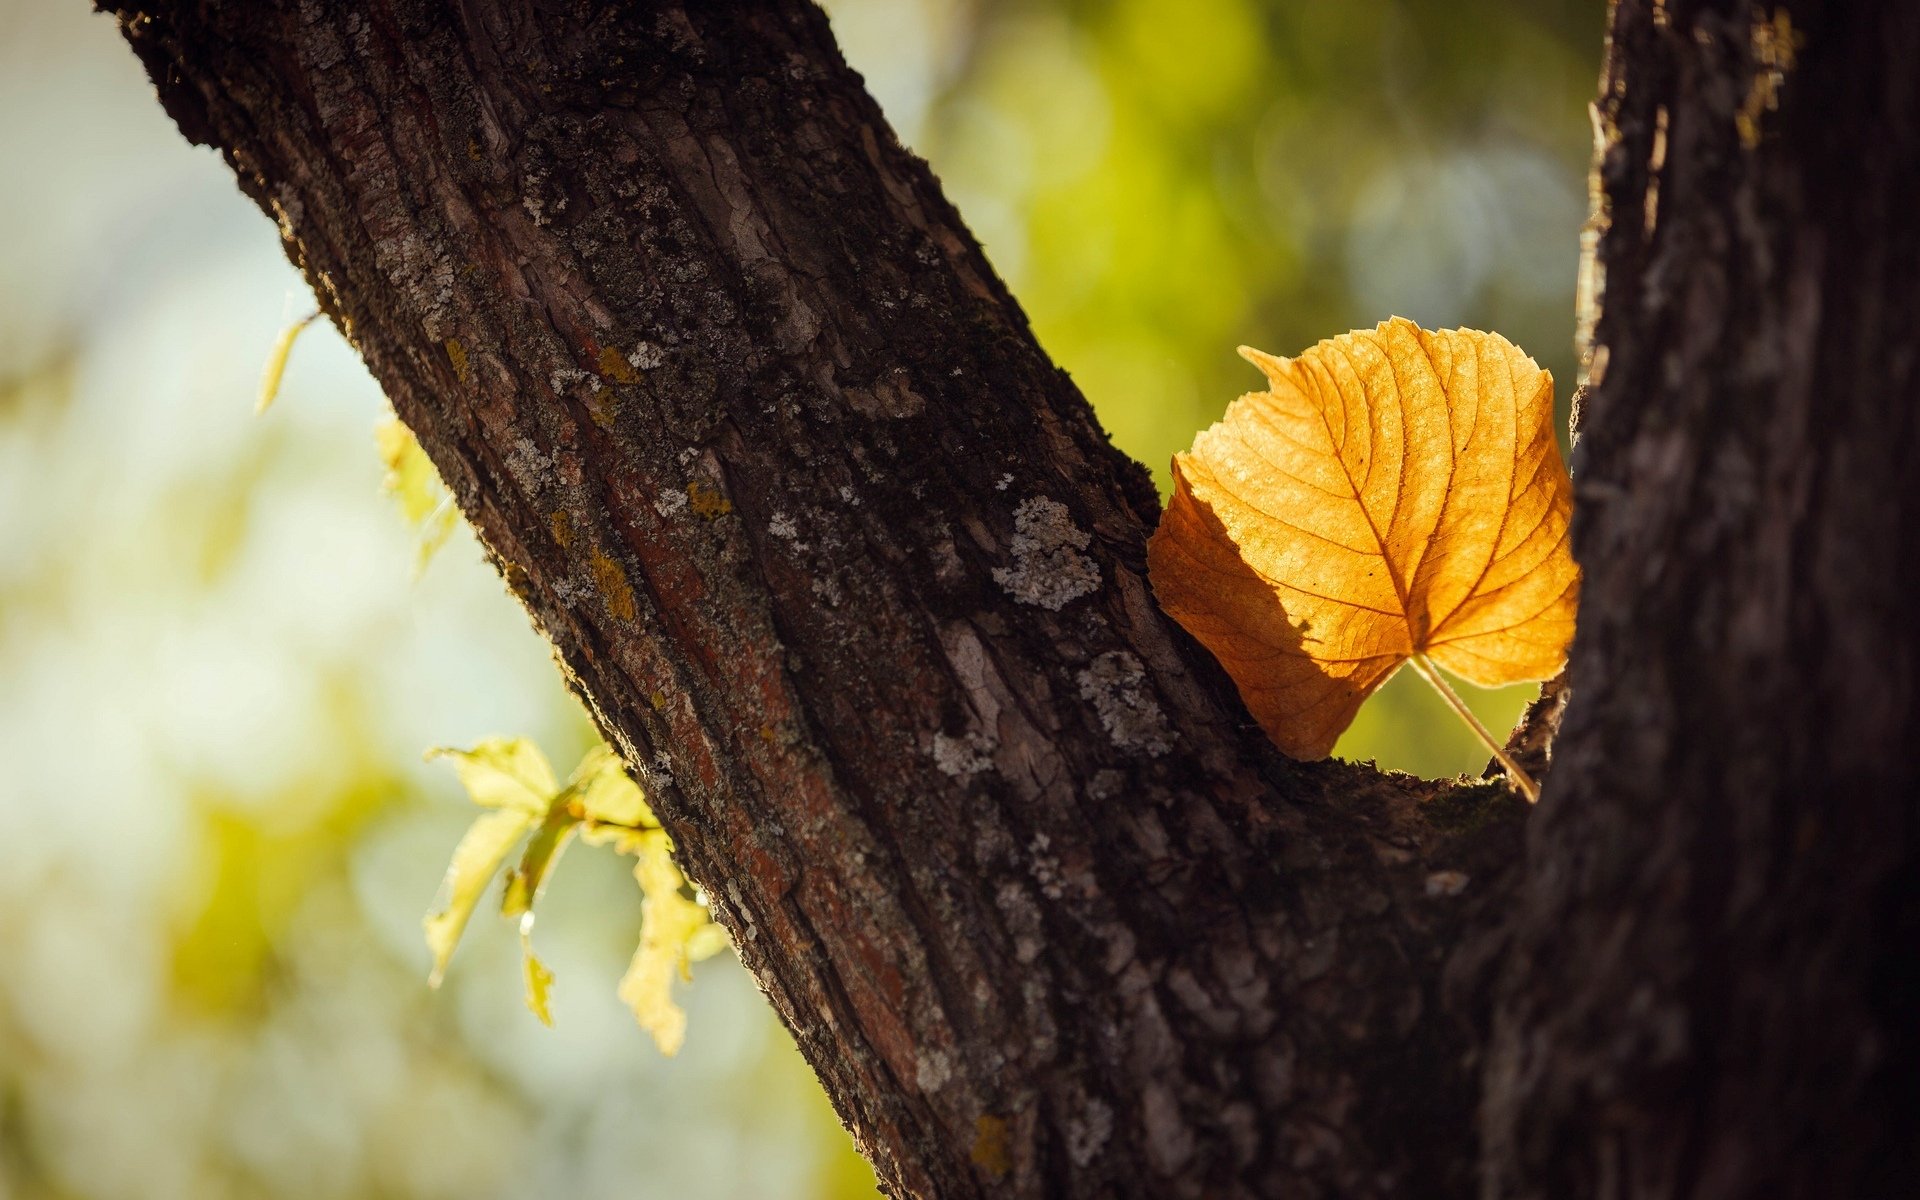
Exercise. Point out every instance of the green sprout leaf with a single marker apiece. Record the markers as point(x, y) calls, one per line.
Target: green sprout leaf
point(525, 882)
point(605, 795)
point(511, 777)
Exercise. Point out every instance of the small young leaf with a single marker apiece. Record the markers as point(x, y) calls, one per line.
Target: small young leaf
point(486, 845)
point(277, 361)
point(503, 773)
point(671, 924)
point(602, 805)
point(537, 862)
point(1394, 494)
point(411, 479)
point(539, 978)
point(603, 792)
point(707, 941)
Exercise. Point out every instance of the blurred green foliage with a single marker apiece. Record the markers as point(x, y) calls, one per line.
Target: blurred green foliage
point(217, 670)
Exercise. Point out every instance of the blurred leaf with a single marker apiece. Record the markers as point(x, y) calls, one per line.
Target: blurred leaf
point(412, 480)
point(511, 776)
point(672, 926)
point(603, 805)
point(277, 361)
point(539, 978)
point(503, 773)
point(524, 885)
point(479, 854)
point(603, 792)
point(708, 941)
point(537, 861)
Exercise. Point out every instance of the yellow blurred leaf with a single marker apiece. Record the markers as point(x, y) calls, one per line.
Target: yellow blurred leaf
point(1396, 494)
point(277, 361)
point(604, 806)
point(622, 839)
point(503, 773)
point(537, 861)
point(539, 978)
point(671, 927)
point(510, 776)
point(486, 845)
point(708, 941)
point(411, 479)
point(603, 792)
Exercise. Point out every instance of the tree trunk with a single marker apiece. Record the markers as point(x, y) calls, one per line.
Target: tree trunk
point(1715, 988)
point(849, 573)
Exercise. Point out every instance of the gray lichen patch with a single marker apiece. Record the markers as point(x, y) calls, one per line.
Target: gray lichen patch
point(1048, 568)
point(1046, 868)
point(961, 757)
point(659, 772)
point(1022, 918)
point(1115, 684)
point(530, 467)
point(932, 1070)
point(784, 527)
point(564, 379)
point(1088, 1130)
point(423, 274)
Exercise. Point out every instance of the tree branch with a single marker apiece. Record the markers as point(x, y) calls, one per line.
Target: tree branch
point(849, 573)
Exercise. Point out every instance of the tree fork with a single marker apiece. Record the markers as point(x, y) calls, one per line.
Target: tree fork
point(847, 571)
point(850, 575)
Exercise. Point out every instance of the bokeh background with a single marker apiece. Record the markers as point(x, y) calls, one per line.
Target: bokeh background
point(218, 667)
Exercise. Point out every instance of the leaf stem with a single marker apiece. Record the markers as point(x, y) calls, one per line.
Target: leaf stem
point(1521, 779)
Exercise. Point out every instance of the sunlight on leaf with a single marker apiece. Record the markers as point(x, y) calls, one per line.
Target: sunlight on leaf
point(510, 776)
point(537, 862)
point(710, 939)
point(524, 885)
point(1395, 495)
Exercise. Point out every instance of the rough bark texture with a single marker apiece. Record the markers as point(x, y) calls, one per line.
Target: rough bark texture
point(1714, 988)
point(851, 576)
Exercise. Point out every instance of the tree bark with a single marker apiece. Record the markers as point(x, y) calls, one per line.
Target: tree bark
point(1713, 990)
point(850, 575)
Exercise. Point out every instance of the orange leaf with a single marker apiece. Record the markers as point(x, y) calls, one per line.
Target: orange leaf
point(1395, 493)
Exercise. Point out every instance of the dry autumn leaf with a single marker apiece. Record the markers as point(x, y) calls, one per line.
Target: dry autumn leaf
point(1396, 495)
